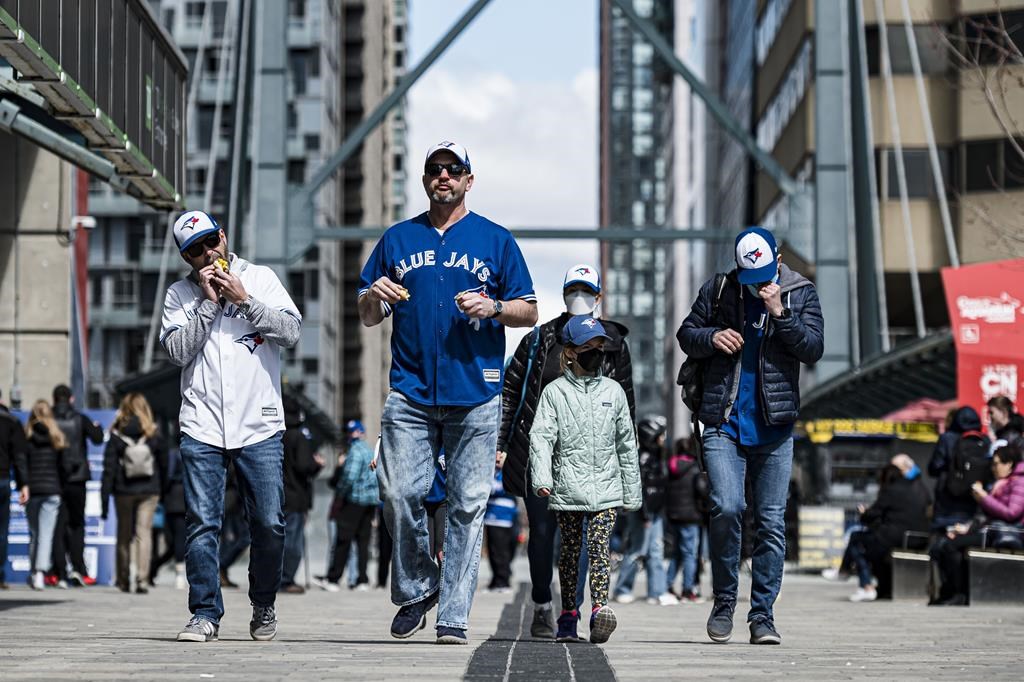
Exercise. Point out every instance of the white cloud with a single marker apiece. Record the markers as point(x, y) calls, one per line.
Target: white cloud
point(533, 146)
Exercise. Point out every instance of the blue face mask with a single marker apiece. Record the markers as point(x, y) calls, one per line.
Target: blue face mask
point(753, 288)
point(912, 473)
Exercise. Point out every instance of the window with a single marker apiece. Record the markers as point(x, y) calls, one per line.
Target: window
point(982, 167)
point(931, 49)
point(297, 69)
point(312, 142)
point(96, 291)
point(768, 27)
point(1013, 166)
point(297, 171)
point(124, 289)
point(136, 235)
point(297, 9)
point(785, 102)
point(643, 53)
point(194, 14)
point(310, 366)
point(991, 37)
point(620, 98)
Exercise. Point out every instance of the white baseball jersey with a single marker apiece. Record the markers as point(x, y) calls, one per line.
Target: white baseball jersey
point(231, 391)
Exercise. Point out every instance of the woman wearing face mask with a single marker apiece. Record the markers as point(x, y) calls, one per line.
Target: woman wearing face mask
point(536, 364)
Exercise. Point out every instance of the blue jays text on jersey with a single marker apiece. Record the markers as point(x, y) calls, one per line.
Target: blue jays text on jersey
point(439, 355)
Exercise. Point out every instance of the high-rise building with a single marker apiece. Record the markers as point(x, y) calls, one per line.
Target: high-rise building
point(636, 189)
point(342, 58)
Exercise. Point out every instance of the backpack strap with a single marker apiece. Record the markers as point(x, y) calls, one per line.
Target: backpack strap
point(530, 357)
point(719, 288)
point(973, 434)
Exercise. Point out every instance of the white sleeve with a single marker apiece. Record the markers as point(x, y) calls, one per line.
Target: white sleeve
point(273, 294)
point(174, 313)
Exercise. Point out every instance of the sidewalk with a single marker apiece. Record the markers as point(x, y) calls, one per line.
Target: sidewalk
point(100, 633)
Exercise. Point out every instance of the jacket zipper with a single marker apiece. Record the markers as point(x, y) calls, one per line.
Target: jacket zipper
point(738, 368)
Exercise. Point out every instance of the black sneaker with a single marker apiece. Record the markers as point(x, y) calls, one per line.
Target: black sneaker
point(412, 618)
point(543, 626)
point(446, 635)
point(720, 620)
point(764, 632)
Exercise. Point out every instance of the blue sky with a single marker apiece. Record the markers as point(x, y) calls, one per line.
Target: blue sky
point(519, 90)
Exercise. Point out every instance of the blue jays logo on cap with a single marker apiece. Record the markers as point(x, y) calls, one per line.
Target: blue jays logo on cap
point(192, 226)
point(582, 273)
point(582, 328)
point(757, 256)
point(251, 341)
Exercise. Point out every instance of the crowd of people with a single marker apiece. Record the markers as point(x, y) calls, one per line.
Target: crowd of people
point(977, 501)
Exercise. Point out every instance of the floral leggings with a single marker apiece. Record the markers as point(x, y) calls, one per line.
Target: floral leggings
point(599, 531)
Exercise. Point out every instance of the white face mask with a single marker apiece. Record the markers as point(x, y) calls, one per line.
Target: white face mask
point(580, 302)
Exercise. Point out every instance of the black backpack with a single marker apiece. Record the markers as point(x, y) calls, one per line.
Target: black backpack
point(74, 460)
point(970, 463)
point(691, 372)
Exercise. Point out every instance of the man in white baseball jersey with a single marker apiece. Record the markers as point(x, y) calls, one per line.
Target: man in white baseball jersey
point(224, 325)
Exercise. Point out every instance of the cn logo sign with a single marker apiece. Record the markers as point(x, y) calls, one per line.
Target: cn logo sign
point(999, 380)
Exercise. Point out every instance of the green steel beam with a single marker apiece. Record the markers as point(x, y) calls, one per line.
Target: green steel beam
point(725, 234)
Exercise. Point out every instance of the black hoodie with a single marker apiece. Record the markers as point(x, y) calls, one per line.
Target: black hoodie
point(44, 461)
point(299, 466)
point(966, 419)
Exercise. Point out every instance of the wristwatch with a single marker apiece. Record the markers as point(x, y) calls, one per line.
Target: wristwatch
point(497, 308)
point(244, 306)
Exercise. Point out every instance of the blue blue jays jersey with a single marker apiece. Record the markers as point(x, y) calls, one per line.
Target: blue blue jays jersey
point(439, 356)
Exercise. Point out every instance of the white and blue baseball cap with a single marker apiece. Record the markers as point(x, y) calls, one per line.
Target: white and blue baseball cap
point(192, 226)
point(583, 273)
point(582, 328)
point(757, 256)
point(453, 147)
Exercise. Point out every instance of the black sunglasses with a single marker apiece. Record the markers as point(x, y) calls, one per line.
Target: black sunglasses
point(196, 250)
point(454, 169)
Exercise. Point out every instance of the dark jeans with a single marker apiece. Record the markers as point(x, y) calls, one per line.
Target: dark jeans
point(174, 536)
point(294, 545)
point(383, 549)
point(5, 520)
point(261, 486)
point(501, 548)
point(69, 538)
point(355, 521)
point(950, 555)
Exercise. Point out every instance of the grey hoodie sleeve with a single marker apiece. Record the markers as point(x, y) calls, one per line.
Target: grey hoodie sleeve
point(279, 326)
point(184, 343)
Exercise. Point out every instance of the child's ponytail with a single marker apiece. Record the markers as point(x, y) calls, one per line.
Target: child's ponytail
point(563, 360)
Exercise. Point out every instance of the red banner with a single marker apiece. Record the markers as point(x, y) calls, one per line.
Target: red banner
point(986, 313)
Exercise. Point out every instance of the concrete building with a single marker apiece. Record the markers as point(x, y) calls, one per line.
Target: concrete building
point(636, 123)
point(342, 58)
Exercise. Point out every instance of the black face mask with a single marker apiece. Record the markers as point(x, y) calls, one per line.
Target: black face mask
point(590, 360)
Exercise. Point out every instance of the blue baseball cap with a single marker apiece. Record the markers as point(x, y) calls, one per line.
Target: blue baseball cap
point(757, 256)
point(354, 425)
point(582, 328)
point(192, 226)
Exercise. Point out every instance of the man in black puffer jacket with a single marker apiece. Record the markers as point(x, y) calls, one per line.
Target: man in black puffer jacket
point(765, 322)
point(535, 365)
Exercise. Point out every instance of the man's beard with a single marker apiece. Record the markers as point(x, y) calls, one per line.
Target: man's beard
point(450, 198)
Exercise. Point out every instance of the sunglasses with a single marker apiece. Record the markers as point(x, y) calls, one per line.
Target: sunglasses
point(196, 250)
point(454, 169)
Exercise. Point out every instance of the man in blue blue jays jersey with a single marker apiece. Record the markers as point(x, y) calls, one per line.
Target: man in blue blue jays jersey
point(451, 280)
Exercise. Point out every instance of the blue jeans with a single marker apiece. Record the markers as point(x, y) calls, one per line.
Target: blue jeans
point(643, 541)
point(294, 545)
point(261, 487)
point(412, 438)
point(768, 467)
point(42, 522)
point(687, 537)
point(540, 550)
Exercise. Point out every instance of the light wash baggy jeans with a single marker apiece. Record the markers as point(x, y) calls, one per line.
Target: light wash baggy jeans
point(412, 438)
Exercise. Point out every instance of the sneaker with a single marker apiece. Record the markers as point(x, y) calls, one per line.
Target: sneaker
point(446, 635)
point(720, 620)
point(567, 623)
point(625, 598)
point(293, 589)
point(691, 597)
point(864, 595)
point(37, 580)
point(199, 630)
point(362, 587)
point(324, 584)
point(764, 632)
point(61, 584)
point(50, 580)
point(666, 599)
point(141, 589)
point(88, 580)
point(412, 618)
point(602, 625)
point(543, 625)
point(180, 582)
point(76, 579)
point(834, 574)
point(263, 626)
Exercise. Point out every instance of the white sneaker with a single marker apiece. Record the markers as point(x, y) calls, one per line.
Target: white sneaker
point(626, 598)
point(667, 599)
point(62, 584)
point(180, 582)
point(362, 587)
point(325, 584)
point(863, 595)
point(835, 574)
point(37, 580)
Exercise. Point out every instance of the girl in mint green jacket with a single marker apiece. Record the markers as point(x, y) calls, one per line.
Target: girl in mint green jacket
point(583, 458)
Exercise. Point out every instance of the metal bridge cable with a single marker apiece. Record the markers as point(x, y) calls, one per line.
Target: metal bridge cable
point(901, 174)
point(929, 131)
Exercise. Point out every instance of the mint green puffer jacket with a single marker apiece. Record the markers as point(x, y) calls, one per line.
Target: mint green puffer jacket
point(583, 446)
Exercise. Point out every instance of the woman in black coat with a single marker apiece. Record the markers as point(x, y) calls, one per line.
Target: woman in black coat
point(134, 478)
point(46, 445)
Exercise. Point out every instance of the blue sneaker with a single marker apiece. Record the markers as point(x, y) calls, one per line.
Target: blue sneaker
point(447, 635)
point(602, 624)
point(567, 623)
point(412, 618)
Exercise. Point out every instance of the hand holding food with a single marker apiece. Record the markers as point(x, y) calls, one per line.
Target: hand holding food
point(222, 264)
point(389, 292)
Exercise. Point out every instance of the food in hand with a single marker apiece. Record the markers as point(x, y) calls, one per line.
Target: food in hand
point(405, 294)
point(222, 264)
